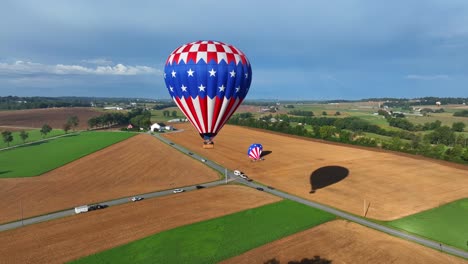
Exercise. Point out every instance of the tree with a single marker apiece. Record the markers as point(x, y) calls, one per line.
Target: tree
point(24, 135)
point(174, 113)
point(324, 113)
point(441, 135)
point(337, 113)
point(45, 130)
point(454, 154)
point(7, 137)
point(166, 113)
point(458, 126)
point(327, 131)
point(66, 127)
point(73, 121)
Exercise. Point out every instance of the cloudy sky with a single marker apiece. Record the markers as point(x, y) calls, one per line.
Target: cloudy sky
point(302, 49)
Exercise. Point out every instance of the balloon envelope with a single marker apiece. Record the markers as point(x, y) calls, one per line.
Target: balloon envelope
point(255, 151)
point(207, 80)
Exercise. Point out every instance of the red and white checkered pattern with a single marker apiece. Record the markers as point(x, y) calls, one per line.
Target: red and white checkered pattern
point(207, 51)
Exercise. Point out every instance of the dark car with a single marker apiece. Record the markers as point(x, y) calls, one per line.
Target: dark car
point(97, 207)
point(190, 153)
point(270, 187)
point(171, 143)
point(260, 189)
point(200, 186)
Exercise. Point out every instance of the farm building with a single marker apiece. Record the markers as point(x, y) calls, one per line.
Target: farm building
point(160, 127)
point(177, 120)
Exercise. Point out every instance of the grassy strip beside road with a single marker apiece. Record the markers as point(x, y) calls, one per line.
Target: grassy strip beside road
point(33, 135)
point(37, 158)
point(217, 239)
point(447, 224)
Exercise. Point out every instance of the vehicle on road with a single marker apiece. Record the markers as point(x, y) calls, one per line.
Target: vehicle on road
point(178, 190)
point(81, 209)
point(171, 143)
point(97, 207)
point(200, 186)
point(203, 160)
point(137, 198)
point(237, 172)
point(260, 189)
point(190, 153)
point(270, 187)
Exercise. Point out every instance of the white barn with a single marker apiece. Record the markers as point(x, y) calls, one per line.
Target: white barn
point(157, 127)
point(160, 127)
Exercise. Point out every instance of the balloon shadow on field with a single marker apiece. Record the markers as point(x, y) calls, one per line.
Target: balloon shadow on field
point(265, 153)
point(326, 176)
point(3, 172)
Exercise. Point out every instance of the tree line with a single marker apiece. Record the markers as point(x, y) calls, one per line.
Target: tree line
point(71, 123)
point(18, 103)
point(462, 113)
point(137, 117)
point(24, 135)
point(442, 143)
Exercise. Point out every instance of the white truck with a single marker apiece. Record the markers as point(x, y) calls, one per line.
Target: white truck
point(81, 209)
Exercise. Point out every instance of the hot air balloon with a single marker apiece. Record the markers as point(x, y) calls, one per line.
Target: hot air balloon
point(255, 151)
point(207, 80)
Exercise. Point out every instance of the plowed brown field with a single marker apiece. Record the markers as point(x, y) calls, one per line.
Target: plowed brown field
point(73, 237)
point(392, 185)
point(55, 117)
point(138, 165)
point(344, 242)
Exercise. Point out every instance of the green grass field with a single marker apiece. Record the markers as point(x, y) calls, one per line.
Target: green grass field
point(216, 239)
point(158, 115)
point(33, 135)
point(447, 224)
point(37, 158)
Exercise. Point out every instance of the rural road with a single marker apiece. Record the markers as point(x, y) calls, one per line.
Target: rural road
point(231, 176)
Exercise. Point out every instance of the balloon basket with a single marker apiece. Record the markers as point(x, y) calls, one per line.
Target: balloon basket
point(208, 146)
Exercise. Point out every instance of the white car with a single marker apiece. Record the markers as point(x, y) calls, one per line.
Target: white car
point(178, 190)
point(243, 176)
point(203, 160)
point(237, 172)
point(136, 198)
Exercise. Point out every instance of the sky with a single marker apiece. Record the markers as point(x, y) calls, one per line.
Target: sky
point(299, 50)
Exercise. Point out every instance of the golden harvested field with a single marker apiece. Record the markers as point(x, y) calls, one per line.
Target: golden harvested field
point(343, 176)
point(344, 242)
point(138, 165)
point(55, 117)
point(73, 237)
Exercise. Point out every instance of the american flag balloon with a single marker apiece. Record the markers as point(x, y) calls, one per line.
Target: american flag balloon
point(255, 151)
point(207, 80)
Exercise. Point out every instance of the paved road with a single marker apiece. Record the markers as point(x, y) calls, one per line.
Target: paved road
point(230, 177)
point(69, 212)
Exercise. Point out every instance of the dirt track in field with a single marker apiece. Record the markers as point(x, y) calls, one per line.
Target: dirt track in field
point(54, 117)
point(138, 165)
point(391, 185)
point(344, 242)
point(73, 237)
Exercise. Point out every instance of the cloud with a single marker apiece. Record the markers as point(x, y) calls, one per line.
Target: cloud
point(98, 61)
point(428, 77)
point(28, 68)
